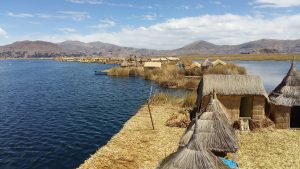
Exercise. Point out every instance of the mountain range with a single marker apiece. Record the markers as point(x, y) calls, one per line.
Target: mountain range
point(36, 49)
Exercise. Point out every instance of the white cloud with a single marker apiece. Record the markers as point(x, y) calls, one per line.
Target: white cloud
point(109, 3)
point(20, 15)
point(2, 33)
point(216, 2)
point(67, 30)
point(150, 17)
point(86, 1)
point(218, 29)
point(76, 15)
point(105, 23)
point(277, 3)
point(188, 7)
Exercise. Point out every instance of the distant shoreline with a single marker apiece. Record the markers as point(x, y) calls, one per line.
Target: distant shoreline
point(26, 59)
point(226, 57)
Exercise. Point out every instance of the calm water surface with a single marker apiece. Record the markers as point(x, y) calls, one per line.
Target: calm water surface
point(55, 114)
point(271, 72)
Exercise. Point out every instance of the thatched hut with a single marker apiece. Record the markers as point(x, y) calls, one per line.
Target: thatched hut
point(218, 62)
point(285, 101)
point(195, 65)
point(241, 95)
point(214, 129)
point(152, 65)
point(192, 156)
point(197, 154)
point(173, 59)
point(124, 63)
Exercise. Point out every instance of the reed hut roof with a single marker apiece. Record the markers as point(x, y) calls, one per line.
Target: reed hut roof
point(214, 129)
point(287, 93)
point(206, 62)
point(218, 62)
point(192, 156)
point(124, 64)
point(152, 65)
point(195, 65)
point(173, 58)
point(231, 85)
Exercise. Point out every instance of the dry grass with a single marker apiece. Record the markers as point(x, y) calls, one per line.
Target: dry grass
point(164, 98)
point(190, 100)
point(137, 146)
point(127, 71)
point(227, 69)
point(267, 149)
point(191, 83)
point(179, 119)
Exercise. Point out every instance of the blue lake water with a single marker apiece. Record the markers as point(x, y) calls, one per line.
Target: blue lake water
point(56, 114)
point(271, 72)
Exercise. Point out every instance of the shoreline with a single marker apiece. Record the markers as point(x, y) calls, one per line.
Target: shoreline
point(136, 145)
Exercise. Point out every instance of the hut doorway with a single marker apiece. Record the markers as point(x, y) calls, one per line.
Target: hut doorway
point(246, 107)
point(295, 117)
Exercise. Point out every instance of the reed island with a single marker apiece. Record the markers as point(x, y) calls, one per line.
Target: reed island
point(227, 119)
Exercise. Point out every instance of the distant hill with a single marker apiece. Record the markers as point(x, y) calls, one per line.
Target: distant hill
point(35, 49)
point(259, 46)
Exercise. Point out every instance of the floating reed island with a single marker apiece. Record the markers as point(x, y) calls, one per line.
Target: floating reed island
point(175, 73)
point(231, 122)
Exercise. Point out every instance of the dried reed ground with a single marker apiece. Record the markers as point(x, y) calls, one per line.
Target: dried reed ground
point(137, 146)
point(277, 149)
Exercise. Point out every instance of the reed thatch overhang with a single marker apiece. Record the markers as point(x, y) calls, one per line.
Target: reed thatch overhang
point(214, 129)
point(231, 85)
point(287, 93)
point(192, 156)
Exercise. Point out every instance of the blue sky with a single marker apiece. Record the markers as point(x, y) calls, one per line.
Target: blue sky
point(156, 24)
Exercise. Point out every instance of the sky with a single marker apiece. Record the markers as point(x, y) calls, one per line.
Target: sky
point(153, 24)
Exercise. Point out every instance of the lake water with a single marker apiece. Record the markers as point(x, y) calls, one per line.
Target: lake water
point(56, 114)
point(271, 72)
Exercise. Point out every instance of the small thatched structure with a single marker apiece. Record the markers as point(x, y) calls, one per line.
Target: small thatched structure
point(195, 65)
point(241, 95)
point(206, 63)
point(173, 59)
point(124, 64)
point(285, 101)
point(218, 62)
point(192, 156)
point(196, 154)
point(152, 65)
point(214, 129)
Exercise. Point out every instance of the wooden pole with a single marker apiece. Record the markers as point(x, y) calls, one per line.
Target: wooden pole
point(148, 103)
point(150, 114)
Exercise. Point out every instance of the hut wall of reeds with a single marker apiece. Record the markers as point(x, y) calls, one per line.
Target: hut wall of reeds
point(284, 106)
point(241, 95)
point(281, 116)
point(233, 106)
